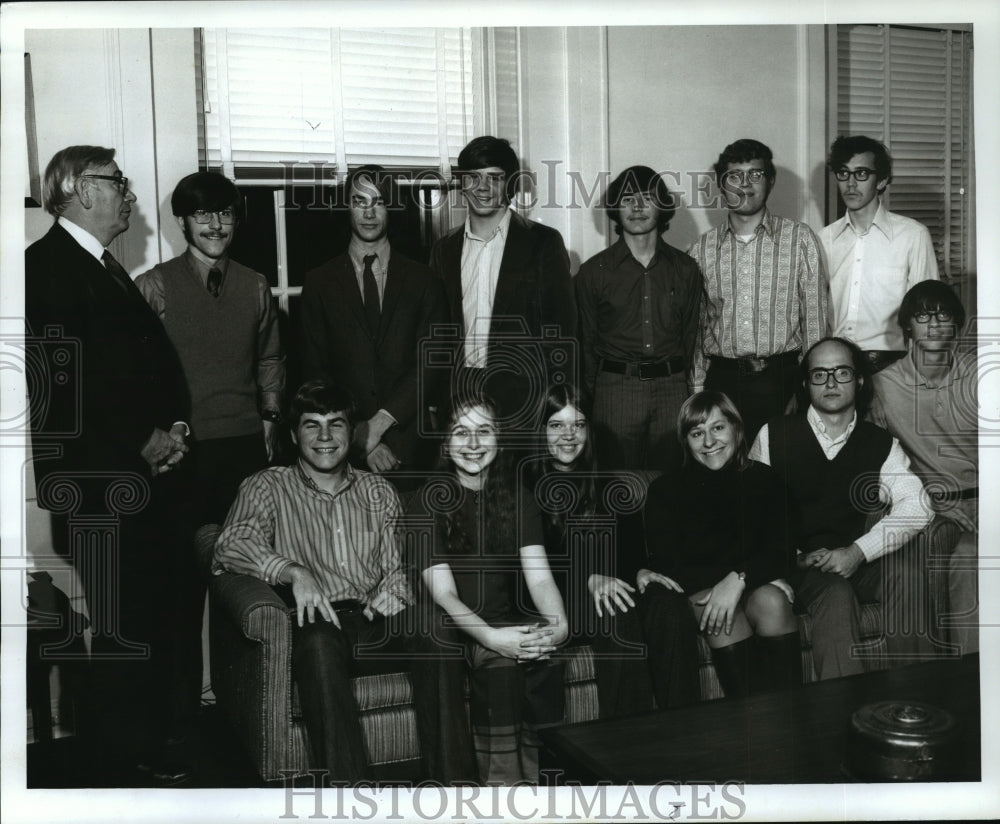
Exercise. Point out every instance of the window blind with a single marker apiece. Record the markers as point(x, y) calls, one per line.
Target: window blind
point(401, 97)
point(912, 89)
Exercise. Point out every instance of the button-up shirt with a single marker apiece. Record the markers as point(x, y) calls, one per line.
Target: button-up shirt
point(909, 508)
point(347, 540)
point(630, 312)
point(871, 271)
point(481, 258)
point(937, 424)
point(764, 297)
point(380, 266)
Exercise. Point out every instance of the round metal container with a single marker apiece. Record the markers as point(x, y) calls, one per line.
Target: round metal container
point(902, 741)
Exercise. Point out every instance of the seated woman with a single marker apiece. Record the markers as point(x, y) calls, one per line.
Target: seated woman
point(717, 531)
point(487, 537)
point(593, 537)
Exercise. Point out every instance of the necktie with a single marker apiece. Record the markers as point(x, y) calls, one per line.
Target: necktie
point(116, 270)
point(214, 282)
point(373, 311)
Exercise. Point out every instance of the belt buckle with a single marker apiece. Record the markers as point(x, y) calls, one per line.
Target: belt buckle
point(641, 371)
point(756, 365)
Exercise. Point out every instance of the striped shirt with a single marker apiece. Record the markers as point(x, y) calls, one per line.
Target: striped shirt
point(347, 540)
point(764, 297)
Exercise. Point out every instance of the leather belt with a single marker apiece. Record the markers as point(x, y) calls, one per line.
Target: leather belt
point(645, 370)
point(753, 366)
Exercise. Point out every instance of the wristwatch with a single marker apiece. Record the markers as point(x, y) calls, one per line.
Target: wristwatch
point(272, 415)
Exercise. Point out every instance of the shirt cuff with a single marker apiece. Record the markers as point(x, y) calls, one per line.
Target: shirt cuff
point(871, 546)
point(187, 429)
point(384, 419)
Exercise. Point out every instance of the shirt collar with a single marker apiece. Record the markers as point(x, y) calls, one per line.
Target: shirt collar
point(82, 236)
point(620, 252)
point(358, 254)
point(349, 474)
point(766, 226)
point(912, 377)
point(816, 422)
point(880, 222)
point(200, 259)
point(501, 229)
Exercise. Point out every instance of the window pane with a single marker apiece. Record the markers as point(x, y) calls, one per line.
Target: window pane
point(256, 243)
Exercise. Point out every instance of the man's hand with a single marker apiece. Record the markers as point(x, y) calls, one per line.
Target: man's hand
point(368, 434)
point(720, 605)
point(647, 577)
point(382, 459)
point(270, 439)
point(164, 450)
point(528, 642)
point(844, 560)
point(308, 596)
point(384, 603)
point(610, 591)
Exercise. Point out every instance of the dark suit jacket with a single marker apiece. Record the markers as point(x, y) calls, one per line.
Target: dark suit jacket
point(534, 290)
point(101, 407)
point(381, 371)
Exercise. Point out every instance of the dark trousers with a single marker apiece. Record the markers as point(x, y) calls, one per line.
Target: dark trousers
point(758, 396)
point(647, 653)
point(636, 420)
point(211, 474)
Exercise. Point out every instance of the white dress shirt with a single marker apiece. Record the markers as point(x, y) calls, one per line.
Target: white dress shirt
point(481, 259)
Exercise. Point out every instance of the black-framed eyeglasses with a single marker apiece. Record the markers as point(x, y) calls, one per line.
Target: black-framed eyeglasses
point(119, 179)
point(942, 315)
point(226, 216)
point(741, 176)
point(841, 374)
point(860, 175)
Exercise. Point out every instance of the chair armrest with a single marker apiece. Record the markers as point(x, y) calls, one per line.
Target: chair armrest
point(251, 604)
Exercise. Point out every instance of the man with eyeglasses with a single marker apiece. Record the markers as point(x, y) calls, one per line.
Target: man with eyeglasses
point(108, 435)
point(766, 291)
point(837, 467)
point(638, 303)
point(508, 287)
point(223, 323)
point(873, 255)
point(929, 400)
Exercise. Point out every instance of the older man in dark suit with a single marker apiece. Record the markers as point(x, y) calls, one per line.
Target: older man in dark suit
point(103, 459)
point(508, 286)
point(364, 315)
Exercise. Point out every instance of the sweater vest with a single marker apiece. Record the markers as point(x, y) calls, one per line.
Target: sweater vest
point(216, 340)
point(833, 499)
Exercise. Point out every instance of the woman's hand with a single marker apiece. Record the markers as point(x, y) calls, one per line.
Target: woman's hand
point(647, 576)
point(720, 605)
point(608, 591)
point(528, 642)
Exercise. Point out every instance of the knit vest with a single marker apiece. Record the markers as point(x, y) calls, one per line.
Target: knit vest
point(216, 340)
point(832, 499)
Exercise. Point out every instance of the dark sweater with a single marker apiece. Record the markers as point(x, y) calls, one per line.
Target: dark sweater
point(700, 525)
point(831, 500)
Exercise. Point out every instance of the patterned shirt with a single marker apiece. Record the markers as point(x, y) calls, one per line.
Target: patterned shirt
point(910, 509)
point(763, 297)
point(347, 539)
point(870, 273)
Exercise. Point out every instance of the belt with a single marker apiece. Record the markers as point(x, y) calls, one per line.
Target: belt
point(349, 606)
point(645, 370)
point(753, 366)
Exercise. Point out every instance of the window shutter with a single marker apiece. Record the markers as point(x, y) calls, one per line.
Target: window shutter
point(399, 97)
point(911, 89)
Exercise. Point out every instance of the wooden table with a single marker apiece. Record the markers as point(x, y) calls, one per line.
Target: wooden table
point(796, 736)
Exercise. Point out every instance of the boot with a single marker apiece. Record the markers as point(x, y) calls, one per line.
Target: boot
point(732, 666)
point(776, 662)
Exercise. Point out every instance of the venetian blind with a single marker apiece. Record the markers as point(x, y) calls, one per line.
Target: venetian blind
point(401, 97)
point(912, 89)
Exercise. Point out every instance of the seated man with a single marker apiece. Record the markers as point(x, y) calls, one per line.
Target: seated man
point(323, 534)
point(929, 401)
point(831, 462)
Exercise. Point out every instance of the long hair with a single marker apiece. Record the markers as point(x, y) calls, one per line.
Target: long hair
point(583, 469)
point(499, 521)
point(697, 409)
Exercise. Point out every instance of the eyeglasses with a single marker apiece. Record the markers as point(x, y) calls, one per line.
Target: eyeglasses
point(121, 181)
point(860, 175)
point(841, 374)
point(741, 177)
point(942, 315)
point(558, 427)
point(226, 216)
